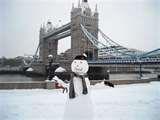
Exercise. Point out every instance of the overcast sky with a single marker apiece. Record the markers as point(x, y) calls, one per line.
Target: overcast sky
point(131, 23)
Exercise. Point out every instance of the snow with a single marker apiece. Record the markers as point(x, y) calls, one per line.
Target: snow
point(125, 102)
point(80, 108)
point(60, 69)
point(30, 69)
point(100, 85)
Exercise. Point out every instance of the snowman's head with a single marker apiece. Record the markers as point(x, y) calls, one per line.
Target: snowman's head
point(80, 65)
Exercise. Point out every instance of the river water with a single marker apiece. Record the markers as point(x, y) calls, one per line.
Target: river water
point(23, 78)
point(19, 78)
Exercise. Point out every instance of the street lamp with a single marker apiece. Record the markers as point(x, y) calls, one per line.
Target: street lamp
point(50, 72)
point(140, 67)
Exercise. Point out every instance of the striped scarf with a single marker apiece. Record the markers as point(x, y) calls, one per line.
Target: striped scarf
point(71, 87)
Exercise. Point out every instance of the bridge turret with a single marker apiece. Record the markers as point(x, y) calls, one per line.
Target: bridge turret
point(49, 26)
point(84, 4)
point(96, 11)
point(72, 6)
point(42, 30)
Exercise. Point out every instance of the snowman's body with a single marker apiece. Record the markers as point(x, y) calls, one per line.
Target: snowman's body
point(79, 107)
point(78, 85)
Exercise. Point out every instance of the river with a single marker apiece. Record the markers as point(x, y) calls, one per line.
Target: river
point(19, 78)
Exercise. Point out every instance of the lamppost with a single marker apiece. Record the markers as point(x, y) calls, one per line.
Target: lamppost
point(50, 73)
point(140, 67)
point(107, 76)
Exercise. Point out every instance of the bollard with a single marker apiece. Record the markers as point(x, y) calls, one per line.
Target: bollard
point(158, 76)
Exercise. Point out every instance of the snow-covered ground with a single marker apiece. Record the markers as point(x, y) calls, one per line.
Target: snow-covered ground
point(125, 102)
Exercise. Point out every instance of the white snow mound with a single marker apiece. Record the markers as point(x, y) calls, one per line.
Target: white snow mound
point(60, 69)
point(100, 85)
point(30, 69)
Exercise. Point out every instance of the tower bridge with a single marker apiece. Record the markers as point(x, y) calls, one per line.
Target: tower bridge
point(84, 30)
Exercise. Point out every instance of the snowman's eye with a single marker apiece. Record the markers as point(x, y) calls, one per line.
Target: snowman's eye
point(74, 61)
point(81, 62)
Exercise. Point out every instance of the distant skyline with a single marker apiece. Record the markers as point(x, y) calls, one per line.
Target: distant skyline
point(131, 23)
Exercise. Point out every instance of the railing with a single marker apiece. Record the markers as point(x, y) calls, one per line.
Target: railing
point(118, 61)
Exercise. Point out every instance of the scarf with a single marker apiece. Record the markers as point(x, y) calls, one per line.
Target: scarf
point(71, 87)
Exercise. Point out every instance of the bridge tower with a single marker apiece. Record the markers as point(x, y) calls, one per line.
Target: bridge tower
point(89, 19)
point(48, 45)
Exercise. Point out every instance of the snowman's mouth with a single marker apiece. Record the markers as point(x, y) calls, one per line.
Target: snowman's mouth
point(79, 69)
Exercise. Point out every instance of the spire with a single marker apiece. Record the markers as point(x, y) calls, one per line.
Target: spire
point(96, 9)
point(43, 25)
point(72, 6)
point(42, 29)
point(79, 4)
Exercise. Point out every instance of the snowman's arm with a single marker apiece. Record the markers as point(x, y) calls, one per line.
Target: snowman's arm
point(60, 82)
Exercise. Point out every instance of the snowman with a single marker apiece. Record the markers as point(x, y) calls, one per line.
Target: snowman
point(79, 82)
point(79, 105)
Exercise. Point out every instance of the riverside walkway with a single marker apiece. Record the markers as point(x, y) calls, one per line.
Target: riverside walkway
point(51, 85)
